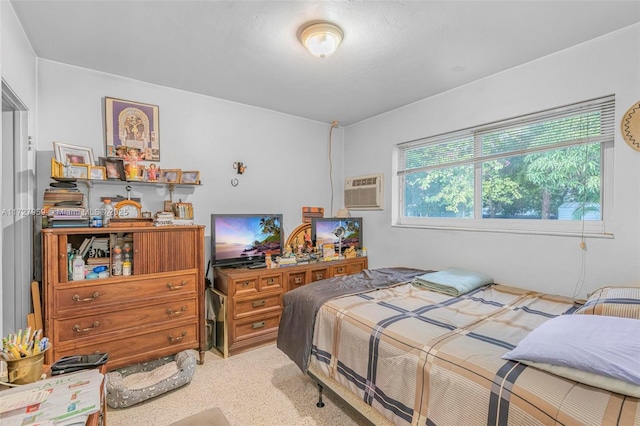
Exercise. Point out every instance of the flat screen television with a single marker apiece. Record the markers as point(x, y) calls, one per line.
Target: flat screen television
point(325, 231)
point(245, 239)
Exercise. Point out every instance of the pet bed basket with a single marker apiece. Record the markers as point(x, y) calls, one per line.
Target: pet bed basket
point(139, 382)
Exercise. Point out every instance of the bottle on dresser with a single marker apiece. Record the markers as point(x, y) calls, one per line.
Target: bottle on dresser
point(78, 267)
point(69, 262)
point(108, 212)
point(127, 262)
point(117, 260)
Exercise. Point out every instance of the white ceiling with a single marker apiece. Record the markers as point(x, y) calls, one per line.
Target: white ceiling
point(393, 53)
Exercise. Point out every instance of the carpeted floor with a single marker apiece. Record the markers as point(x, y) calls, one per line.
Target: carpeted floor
point(258, 387)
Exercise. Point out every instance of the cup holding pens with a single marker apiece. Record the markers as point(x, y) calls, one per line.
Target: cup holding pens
point(26, 370)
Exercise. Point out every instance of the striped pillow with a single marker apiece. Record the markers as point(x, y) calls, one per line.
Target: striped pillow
point(614, 302)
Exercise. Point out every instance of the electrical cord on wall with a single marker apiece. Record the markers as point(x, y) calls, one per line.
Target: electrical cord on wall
point(583, 245)
point(334, 123)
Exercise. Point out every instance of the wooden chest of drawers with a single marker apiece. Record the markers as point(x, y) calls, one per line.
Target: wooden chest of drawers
point(157, 311)
point(254, 297)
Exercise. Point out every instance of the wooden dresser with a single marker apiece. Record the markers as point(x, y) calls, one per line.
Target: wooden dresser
point(155, 312)
point(254, 297)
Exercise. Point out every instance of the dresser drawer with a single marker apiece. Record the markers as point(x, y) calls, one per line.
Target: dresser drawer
point(245, 286)
point(256, 305)
point(271, 282)
point(132, 290)
point(92, 326)
point(347, 269)
point(318, 274)
point(296, 279)
point(141, 346)
point(255, 326)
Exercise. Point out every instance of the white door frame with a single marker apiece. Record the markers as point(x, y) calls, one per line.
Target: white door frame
point(23, 216)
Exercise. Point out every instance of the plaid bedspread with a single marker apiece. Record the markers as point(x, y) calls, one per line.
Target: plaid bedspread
point(426, 358)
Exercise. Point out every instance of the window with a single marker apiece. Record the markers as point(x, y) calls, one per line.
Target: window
point(548, 171)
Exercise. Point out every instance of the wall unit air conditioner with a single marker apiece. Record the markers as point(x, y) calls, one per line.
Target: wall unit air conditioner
point(363, 192)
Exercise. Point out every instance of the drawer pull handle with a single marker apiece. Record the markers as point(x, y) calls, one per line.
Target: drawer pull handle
point(297, 280)
point(258, 324)
point(246, 284)
point(178, 287)
point(257, 303)
point(318, 277)
point(172, 313)
point(94, 296)
point(271, 280)
point(341, 269)
point(176, 339)
point(77, 328)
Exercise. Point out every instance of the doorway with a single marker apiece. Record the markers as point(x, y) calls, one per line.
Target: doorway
point(17, 193)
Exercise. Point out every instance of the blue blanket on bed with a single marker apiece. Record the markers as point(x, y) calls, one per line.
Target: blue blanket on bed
point(452, 281)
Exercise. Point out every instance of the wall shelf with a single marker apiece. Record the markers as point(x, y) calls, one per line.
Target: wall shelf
point(90, 183)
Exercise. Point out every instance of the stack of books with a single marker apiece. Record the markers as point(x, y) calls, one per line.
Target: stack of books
point(163, 219)
point(67, 217)
point(64, 206)
point(286, 261)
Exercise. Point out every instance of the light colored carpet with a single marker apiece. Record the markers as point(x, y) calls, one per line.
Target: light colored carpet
point(260, 387)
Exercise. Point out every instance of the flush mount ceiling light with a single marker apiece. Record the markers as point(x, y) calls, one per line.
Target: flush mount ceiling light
point(321, 38)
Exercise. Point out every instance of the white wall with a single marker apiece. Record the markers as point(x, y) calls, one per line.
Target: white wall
point(608, 65)
point(286, 157)
point(18, 60)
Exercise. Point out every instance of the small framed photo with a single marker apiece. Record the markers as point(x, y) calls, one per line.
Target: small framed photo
point(98, 172)
point(170, 175)
point(192, 177)
point(79, 171)
point(73, 154)
point(114, 168)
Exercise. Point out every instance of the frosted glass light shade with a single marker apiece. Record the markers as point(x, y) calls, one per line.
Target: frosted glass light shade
point(321, 39)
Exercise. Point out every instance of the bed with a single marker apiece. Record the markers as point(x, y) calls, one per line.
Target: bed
point(405, 355)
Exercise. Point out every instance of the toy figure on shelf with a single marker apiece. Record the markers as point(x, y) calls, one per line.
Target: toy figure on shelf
point(308, 244)
point(152, 173)
point(350, 253)
point(132, 159)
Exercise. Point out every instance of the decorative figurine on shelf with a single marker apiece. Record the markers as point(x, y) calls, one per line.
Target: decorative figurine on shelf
point(67, 169)
point(132, 159)
point(152, 173)
point(308, 244)
point(350, 253)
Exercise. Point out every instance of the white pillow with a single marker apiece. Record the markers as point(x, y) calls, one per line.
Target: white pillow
point(603, 345)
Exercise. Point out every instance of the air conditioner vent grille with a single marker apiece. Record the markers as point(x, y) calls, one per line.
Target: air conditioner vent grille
point(363, 192)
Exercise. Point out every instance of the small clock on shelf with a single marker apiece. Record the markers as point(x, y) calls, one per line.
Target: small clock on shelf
point(128, 209)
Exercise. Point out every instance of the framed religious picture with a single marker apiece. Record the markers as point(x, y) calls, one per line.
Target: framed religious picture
point(129, 125)
point(114, 168)
point(73, 154)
